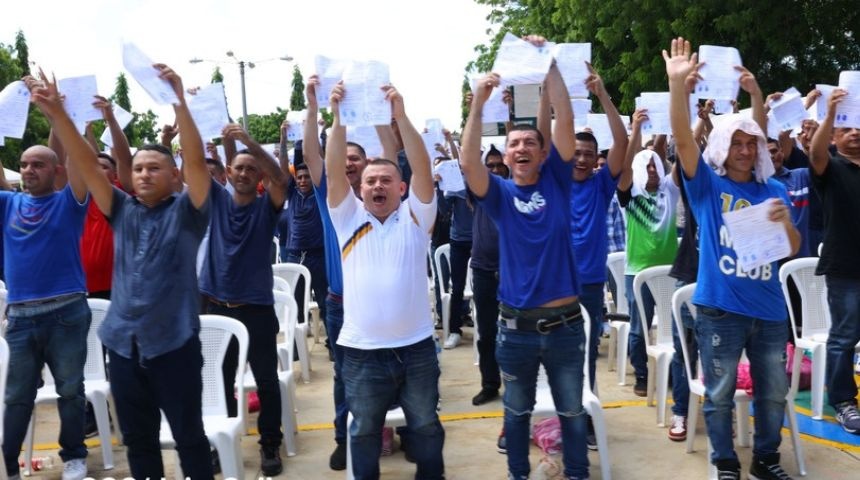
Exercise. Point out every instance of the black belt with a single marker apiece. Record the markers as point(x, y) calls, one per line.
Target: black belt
point(542, 325)
point(225, 304)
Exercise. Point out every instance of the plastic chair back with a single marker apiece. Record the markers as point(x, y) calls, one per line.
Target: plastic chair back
point(684, 296)
point(813, 297)
point(662, 287)
point(94, 369)
point(442, 254)
point(616, 262)
point(216, 331)
point(291, 272)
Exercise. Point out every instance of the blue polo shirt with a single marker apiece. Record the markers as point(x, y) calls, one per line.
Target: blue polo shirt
point(303, 217)
point(155, 301)
point(237, 267)
point(589, 206)
point(333, 270)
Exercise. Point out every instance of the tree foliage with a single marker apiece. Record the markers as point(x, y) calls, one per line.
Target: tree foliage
point(12, 58)
point(266, 128)
point(22, 53)
point(297, 98)
point(217, 76)
point(786, 43)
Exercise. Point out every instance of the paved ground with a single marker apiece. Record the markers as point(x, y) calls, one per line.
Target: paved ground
point(638, 448)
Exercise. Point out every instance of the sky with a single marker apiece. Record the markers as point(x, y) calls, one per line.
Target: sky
point(426, 43)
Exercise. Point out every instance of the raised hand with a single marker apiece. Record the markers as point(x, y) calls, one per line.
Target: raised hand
point(235, 131)
point(311, 90)
point(680, 62)
point(594, 82)
point(639, 116)
point(484, 88)
point(45, 94)
point(104, 105)
point(173, 78)
point(748, 81)
point(398, 110)
point(337, 94)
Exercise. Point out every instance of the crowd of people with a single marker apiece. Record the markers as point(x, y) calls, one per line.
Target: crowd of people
point(535, 224)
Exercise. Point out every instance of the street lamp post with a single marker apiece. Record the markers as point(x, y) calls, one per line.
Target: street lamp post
point(242, 64)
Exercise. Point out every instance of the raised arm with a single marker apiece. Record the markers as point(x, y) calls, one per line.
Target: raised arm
point(335, 152)
point(83, 162)
point(277, 180)
point(474, 171)
point(388, 141)
point(750, 85)
point(704, 125)
point(311, 134)
point(679, 65)
point(819, 153)
point(229, 149)
point(120, 150)
point(168, 133)
point(419, 161)
point(194, 166)
point(563, 135)
point(634, 146)
point(618, 152)
point(455, 152)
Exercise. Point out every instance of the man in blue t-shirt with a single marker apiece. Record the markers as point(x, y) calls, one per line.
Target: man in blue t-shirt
point(151, 329)
point(48, 313)
point(236, 279)
point(737, 309)
point(540, 321)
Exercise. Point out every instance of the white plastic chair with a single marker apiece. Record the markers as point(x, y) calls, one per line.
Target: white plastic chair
point(816, 322)
point(4, 370)
point(682, 296)
point(96, 389)
point(443, 254)
point(311, 306)
point(619, 332)
point(224, 432)
point(285, 309)
point(290, 273)
point(660, 351)
point(544, 404)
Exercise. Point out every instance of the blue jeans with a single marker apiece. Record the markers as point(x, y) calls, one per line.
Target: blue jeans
point(57, 338)
point(376, 379)
point(485, 291)
point(173, 383)
point(843, 296)
point(262, 325)
point(591, 297)
point(561, 352)
point(636, 345)
point(722, 336)
point(460, 253)
point(333, 324)
point(680, 385)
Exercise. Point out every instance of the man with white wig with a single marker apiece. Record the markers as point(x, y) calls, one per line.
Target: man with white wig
point(736, 309)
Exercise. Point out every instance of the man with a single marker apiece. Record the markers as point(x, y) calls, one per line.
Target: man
point(236, 279)
point(540, 318)
point(151, 327)
point(389, 354)
point(48, 313)
point(796, 182)
point(836, 179)
point(737, 309)
point(356, 160)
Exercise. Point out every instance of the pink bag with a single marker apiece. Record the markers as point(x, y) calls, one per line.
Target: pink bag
point(546, 434)
point(744, 378)
point(805, 367)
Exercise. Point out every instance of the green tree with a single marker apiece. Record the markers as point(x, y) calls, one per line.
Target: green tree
point(37, 130)
point(297, 98)
point(22, 53)
point(784, 43)
point(217, 76)
point(266, 128)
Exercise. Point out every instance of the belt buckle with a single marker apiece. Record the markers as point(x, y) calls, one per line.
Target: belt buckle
point(542, 327)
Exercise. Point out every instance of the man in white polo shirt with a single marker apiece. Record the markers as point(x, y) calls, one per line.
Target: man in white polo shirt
point(389, 353)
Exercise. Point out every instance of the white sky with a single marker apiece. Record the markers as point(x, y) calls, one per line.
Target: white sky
point(426, 44)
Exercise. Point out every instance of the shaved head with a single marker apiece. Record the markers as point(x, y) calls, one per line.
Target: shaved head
point(41, 152)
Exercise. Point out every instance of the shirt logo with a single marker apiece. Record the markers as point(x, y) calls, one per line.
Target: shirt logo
point(535, 204)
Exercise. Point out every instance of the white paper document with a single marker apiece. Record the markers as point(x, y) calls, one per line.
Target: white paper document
point(368, 139)
point(139, 66)
point(495, 109)
point(329, 71)
point(848, 110)
point(364, 102)
point(14, 106)
point(571, 58)
point(430, 146)
point(821, 102)
point(518, 62)
point(581, 108)
point(433, 126)
point(722, 107)
point(209, 110)
point(720, 79)
point(451, 176)
point(789, 111)
point(599, 125)
point(756, 240)
point(80, 94)
point(123, 118)
point(295, 124)
point(657, 104)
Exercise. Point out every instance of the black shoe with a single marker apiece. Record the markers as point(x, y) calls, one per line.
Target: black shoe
point(216, 462)
point(640, 389)
point(767, 468)
point(330, 355)
point(337, 460)
point(590, 438)
point(728, 470)
point(270, 460)
point(484, 396)
point(404, 447)
point(467, 321)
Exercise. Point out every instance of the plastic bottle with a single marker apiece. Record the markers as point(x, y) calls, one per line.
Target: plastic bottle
point(38, 464)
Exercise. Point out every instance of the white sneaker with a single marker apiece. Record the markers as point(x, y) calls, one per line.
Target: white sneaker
point(452, 341)
point(75, 469)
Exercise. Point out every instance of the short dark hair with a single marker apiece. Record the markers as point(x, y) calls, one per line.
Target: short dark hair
point(219, 167)
point(588, 137)
point(157, 147)
point(525, 127)
point(385, 161)
point(300, 166)
point(359, 147)
point(108, 158)
point(772, 140)
point(493, 151)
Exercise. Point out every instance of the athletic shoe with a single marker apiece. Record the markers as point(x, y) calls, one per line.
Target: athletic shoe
point(640, 389)
point(590, 438)
point(501, 444)
point(270, 460)
point(847, 416)
point(678, 430)
point(75, 469)
point(337, 460)
point(728, 470)
point(767, 468)
point(452, 341)
point(484, 396)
